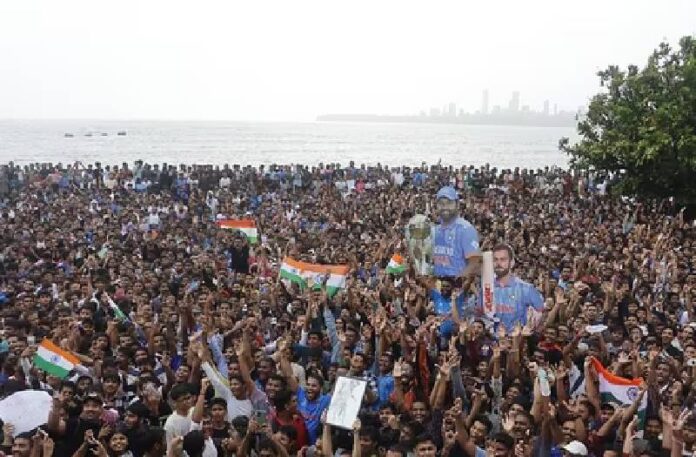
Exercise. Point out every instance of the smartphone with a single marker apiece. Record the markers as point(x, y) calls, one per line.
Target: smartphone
point(260, 416)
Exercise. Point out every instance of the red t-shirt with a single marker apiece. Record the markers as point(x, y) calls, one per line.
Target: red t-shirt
point(298, 424)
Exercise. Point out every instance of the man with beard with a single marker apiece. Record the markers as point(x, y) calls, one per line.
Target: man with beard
point(311, 404)
point(512, 296)
point(455, 240)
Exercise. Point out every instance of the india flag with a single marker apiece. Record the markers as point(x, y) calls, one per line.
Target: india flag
point(314, 275)
point(54, 360)
point(396, 265)
point(620, 391)
point(246, 226)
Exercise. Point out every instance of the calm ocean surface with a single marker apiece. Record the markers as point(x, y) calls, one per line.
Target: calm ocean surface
point(276, 142)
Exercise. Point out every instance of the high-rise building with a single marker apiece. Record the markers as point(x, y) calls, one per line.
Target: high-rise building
point(546, 107)
point(514, 102)
point(555, 109)
point(452, 110)
point(484, 102)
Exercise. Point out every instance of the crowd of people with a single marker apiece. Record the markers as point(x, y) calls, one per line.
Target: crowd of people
point(189, 343)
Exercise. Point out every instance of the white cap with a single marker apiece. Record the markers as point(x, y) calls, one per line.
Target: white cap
point(575, 448)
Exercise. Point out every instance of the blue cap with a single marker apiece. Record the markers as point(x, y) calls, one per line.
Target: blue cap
point(447, 192)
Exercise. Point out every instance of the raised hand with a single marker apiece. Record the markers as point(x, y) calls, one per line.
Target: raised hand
point(456, 409)
point(398, 368)
point(205, 385)
point(508, 423)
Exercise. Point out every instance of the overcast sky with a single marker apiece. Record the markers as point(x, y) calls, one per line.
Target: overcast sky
point(294, 59)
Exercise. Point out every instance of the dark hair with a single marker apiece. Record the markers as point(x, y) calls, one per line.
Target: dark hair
point(194, 443)
point(279, 378)
point(113, 377)
point(237, 378)
point(403, 450)
point(388, 405)
point(289, 431)
point(485, 421)
point(504, 439)
point(282, 399)
point(218, 401)
point(138, 409)
point(266, 444)
point(151, 437)
point(370, 432)
point(66, 383)
point(179, 391)
point(505, 247)
point(26, 435)
point(317, 376)
point(424, 438)
point(590, 407)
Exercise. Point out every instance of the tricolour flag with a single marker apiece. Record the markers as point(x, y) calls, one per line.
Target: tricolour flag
point(54, 360)
point(246, 226)
point(312, 274)
point(396, 265)
point(620, 391)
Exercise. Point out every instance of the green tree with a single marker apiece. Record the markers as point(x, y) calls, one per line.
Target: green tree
point(643, 126)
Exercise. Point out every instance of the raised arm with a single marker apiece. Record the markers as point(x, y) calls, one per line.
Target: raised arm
point(197, 415)
point(286, 368)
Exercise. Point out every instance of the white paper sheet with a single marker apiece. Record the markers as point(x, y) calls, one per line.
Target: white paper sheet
point(26, 409)
point(345, 402)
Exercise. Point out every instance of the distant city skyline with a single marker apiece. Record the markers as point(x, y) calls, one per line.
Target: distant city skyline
point(514, 106)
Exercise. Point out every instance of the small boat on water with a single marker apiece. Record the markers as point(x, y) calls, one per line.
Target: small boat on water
point(121, 133)
point(68, 135)
point(88, 134)
point(104, 134)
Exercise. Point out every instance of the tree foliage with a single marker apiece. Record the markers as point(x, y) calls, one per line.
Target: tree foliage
point(643, 126)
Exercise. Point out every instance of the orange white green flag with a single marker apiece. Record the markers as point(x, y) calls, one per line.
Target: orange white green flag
point(54, 360)
point(620, 391)
point(333, 277)
point(396, 265)
point(246, 226)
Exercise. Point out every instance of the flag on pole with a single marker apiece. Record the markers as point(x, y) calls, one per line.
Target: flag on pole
point(314, 275)
point(488, 284)
point(246, 226)
point(621, 391)
point(118, 314)
point(54, 360)
point(396, 265)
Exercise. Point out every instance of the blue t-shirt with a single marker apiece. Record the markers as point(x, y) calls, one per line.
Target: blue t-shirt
point(443, 306)
point(385, 387)
point(452, 243)
point(311, 412)
point(512, 301)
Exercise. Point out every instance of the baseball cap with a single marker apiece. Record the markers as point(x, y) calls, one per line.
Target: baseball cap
point(94, 396)
point(447, 192)
point(575, 448)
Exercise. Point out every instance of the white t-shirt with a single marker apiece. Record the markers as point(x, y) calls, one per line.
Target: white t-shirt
point(177, 425)
point(209, 449)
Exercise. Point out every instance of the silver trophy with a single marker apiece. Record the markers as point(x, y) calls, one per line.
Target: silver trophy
point(420, 243)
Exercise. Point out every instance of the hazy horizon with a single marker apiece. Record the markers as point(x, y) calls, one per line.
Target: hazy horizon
point(291, 61)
